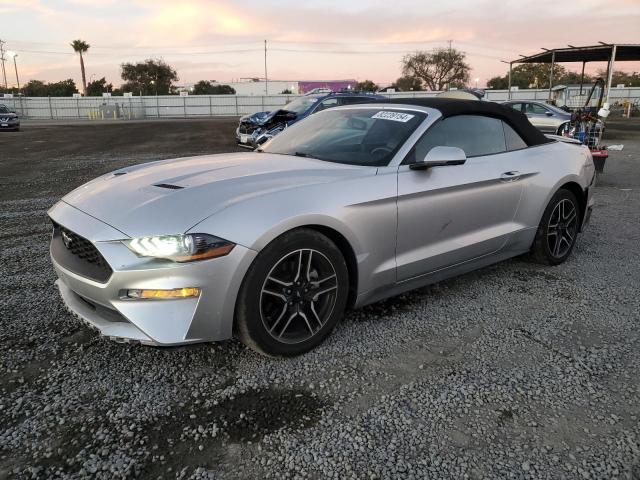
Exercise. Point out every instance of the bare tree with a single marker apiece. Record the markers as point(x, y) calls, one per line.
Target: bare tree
point(438, 68)
point(80, 47)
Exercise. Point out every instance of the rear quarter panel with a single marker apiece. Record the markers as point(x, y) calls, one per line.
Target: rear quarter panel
point(548, 168)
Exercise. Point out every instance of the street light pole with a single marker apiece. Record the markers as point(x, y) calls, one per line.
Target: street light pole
point(15, 65)
point(266, 79)
point(509, 81)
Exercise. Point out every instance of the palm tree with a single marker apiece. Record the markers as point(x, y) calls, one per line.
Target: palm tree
point(80, 47)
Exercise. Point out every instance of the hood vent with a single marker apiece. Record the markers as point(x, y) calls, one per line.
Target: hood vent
point(168, 185)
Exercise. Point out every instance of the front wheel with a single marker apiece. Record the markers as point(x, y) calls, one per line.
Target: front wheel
point(558, 229)
point(562, 128)
point(293, 294)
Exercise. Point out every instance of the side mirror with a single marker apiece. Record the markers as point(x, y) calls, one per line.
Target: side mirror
point(548, 114)
point(441, 157)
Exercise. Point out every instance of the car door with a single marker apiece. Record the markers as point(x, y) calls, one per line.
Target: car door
point(540, 116)
point(452, 214)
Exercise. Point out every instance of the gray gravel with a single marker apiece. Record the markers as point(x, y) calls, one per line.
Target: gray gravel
point(514, 371)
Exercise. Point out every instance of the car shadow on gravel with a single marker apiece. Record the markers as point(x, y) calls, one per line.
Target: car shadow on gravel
point(199, 434)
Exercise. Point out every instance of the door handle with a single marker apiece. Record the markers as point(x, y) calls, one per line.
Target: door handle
point(510, 176)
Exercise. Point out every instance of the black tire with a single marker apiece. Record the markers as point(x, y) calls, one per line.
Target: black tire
point(546, 249)
point(561, 128)
point(265, 304)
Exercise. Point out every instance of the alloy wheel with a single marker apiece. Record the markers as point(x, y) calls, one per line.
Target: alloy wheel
point(562, 228)
point(298, 296)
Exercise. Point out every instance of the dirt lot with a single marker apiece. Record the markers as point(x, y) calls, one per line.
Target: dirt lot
point(45, 152)
point(514, 371)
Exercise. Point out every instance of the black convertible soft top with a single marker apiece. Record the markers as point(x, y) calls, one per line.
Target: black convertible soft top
point(450, 107)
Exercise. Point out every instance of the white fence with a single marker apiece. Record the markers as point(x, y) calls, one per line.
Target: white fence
point(171, 106)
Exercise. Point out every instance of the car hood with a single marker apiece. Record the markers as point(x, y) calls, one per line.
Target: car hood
point(171, 196)
point(8, 115)
point(262, 118)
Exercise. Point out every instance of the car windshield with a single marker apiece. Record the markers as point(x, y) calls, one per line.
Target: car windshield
point(300, 105)
point(357, 136)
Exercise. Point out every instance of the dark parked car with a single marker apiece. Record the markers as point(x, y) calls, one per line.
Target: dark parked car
point(544, 117)
point(256, 129)
point(9, 119)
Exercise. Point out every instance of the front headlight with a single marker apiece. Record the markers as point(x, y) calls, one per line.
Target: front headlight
point(180, 248)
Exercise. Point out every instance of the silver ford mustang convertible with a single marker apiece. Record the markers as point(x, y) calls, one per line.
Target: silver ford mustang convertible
point(345, 208)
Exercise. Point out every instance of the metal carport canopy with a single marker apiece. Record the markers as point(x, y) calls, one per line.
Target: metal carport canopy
point(595, 53)
point(605, 52)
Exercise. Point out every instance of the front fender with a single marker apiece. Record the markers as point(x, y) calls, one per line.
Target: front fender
point(362, 210)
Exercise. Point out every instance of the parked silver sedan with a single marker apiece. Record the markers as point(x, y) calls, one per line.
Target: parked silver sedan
point(345, 208)
point(546, 118)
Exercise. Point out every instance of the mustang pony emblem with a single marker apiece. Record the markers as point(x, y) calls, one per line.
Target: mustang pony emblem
point(67, 240)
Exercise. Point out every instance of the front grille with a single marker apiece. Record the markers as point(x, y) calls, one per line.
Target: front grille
point(78, 255)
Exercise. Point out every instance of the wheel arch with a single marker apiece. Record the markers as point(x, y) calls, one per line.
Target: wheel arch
point(560, 127)
point(347, 252)
point(571, 183)
point(335, 234)
point(581, 196)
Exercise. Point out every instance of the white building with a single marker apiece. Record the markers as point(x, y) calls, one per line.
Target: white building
point(259, 87)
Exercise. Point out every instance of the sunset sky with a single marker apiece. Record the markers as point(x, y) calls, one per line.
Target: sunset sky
point(223, 40)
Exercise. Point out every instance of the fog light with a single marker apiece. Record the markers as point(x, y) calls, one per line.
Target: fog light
point(164, 294)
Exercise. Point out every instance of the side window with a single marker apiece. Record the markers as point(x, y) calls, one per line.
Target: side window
point(354, 100)
point(535, 109)
point(512, 139)
point(475, 134)
point(516, 106)
point(328, 103)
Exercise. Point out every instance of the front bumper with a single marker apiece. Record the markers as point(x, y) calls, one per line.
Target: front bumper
point(10, 125)
point(248, 139)
point(208, 317)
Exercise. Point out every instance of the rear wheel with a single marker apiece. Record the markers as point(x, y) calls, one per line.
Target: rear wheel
point(558, 229)
point(293, 295)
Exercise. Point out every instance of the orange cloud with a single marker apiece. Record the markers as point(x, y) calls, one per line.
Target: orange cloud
point(186, 21)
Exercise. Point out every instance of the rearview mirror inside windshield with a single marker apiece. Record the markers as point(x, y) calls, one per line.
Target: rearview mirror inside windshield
point(356, 123)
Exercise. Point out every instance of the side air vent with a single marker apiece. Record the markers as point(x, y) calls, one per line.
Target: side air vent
point(168, 185)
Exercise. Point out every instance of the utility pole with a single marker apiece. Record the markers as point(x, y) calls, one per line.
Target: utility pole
point(4, 72)
point(15, 65)
point(266, 78)
point(449, 60)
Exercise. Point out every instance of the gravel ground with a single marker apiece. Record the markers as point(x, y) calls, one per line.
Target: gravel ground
point(513, 371)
